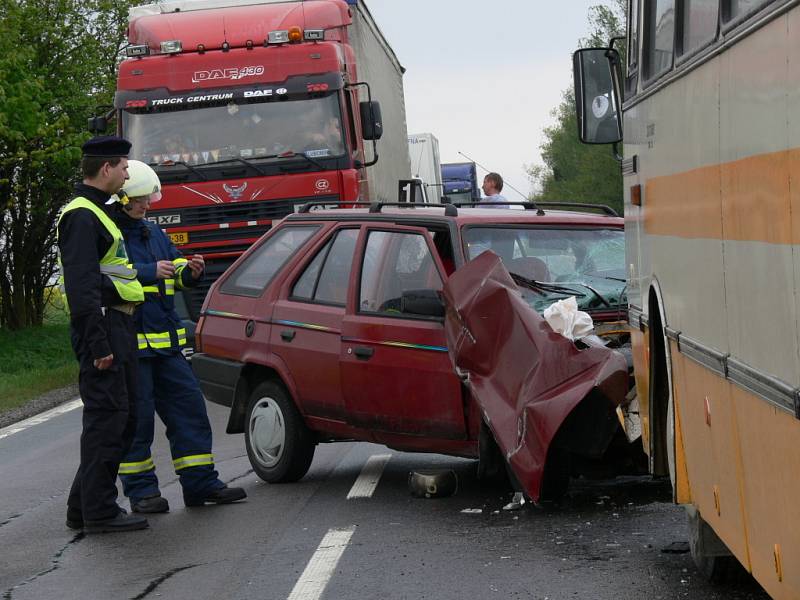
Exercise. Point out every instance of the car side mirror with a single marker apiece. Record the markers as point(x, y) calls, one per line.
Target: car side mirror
point(597, 95)
point(425, 302)
point(371, 122)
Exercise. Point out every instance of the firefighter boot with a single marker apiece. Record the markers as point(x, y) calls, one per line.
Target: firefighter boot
point(151, 504)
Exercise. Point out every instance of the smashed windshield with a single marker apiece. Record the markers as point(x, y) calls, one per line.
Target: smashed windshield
point(237, 130)
point(586, 263)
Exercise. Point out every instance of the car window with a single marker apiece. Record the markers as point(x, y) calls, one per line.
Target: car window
point(395, 262)
point(588, 263)
point(327, 276)
point(252, 275)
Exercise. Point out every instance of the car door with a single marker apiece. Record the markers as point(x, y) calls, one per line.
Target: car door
point(396, 373)
point(307, 324)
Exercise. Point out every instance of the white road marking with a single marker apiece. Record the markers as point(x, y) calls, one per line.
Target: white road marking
point(40, 418)
point(369, 477)
point(323, 563)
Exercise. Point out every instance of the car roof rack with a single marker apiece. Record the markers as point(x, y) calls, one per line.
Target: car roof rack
point(538, 206)
point(309, 205)
point(604, 207)
point(526, 205)
point(450, 210)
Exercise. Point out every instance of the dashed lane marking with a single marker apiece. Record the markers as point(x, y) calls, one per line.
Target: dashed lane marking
point(369, 477)
point(320, 568)
point(40, 418)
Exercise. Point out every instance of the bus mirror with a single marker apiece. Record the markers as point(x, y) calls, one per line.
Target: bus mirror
point(98, 124)
point(597, 97)
point(371, 122)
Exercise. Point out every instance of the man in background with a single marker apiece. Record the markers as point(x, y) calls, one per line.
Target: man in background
point(492, 186)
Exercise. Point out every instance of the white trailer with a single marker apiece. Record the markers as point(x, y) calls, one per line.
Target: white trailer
point(423, 150)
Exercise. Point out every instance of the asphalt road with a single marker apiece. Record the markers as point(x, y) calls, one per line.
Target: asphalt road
point(614, 539)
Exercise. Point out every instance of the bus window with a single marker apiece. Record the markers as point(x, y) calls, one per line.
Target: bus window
point(699, 24)
point(633, 35)
point(733, 9)
point(660, 36)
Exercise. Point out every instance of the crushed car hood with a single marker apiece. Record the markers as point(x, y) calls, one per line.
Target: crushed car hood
point(526, 378)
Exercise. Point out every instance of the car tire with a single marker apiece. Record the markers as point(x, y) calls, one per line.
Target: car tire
point(279, 445)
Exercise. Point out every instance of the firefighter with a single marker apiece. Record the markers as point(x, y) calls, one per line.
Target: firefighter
point(102, 293)
point(167, 385)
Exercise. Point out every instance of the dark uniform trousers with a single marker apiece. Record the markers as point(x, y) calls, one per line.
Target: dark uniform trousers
point(109, 418)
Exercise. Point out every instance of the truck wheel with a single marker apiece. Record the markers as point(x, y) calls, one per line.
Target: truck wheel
point(279, 445)
point(710, 555)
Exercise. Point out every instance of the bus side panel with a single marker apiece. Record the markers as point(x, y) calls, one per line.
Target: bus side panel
point(682, 242)
point(759, 270)
point(708, 425)
point(770, 453)
point(681, 487)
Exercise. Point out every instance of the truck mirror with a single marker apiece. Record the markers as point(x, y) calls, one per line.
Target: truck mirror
point(597, 96)
point(371, 122)
point(98, 124)
point(425, 302)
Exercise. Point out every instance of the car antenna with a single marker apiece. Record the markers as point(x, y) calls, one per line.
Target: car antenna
point(505, 183)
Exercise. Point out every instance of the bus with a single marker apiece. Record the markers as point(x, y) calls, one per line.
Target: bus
point(708, 114)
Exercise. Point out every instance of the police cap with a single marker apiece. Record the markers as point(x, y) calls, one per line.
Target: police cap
point(106, 146)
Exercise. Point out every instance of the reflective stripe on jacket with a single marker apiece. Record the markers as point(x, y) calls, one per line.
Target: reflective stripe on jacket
point(114, 264)
point(159, 328)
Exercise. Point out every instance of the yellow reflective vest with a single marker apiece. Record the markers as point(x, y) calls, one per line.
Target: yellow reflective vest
point(115, 263)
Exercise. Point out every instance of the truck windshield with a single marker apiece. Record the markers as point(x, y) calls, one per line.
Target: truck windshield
point(587, 263)
point(237, 130)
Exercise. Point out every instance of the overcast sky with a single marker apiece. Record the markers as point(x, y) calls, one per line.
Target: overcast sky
point(483, 77)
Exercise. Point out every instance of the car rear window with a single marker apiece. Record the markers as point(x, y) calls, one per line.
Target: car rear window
point(328, 283)
point(251, 277)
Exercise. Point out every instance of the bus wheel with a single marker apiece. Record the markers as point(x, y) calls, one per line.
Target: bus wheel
point(710, 554)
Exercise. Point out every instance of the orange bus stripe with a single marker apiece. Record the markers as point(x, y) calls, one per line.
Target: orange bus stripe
point(755, 199)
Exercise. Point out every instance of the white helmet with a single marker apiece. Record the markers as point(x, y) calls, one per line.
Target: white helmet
point(142, 181)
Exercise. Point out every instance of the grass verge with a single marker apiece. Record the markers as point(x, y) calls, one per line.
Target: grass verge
point(34, 361)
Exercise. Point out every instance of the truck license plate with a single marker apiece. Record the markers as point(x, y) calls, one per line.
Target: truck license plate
point(179, 237)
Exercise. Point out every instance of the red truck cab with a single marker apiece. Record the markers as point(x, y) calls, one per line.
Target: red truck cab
point(247, 110)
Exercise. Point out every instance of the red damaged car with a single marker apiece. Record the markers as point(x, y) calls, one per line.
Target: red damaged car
point(419, 327)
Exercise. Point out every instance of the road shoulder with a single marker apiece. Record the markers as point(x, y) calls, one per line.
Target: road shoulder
point(39, 404)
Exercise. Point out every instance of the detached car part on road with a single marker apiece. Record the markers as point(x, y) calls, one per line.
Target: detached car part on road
point(332, 327)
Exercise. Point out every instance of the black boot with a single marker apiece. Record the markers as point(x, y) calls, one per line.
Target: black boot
point(151, 504)
point(122, 522)
point(224, 495)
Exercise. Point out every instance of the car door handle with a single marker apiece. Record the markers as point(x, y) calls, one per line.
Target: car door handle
point(288, 335)
point(364, 353)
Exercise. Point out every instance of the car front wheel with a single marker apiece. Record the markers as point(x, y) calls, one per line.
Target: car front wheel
point(279, 445)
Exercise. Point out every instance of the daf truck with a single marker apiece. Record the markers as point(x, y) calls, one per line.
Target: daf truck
point(249, 109)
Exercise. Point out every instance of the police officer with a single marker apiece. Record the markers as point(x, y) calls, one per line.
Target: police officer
point(166, 385)
point(102, 293)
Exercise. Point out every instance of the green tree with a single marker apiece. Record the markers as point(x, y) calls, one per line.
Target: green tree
point(572, 171)
point(57, 63)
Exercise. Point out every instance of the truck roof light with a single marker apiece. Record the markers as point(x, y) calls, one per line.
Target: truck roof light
point(295, 34)
point(200, 48)
point(314, 35)
point(278, 37)
point(171, 47)
point(225, 46)
point(142, 50)
point(249, 44)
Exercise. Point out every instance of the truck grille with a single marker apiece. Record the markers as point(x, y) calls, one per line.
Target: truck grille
point(239, 211)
